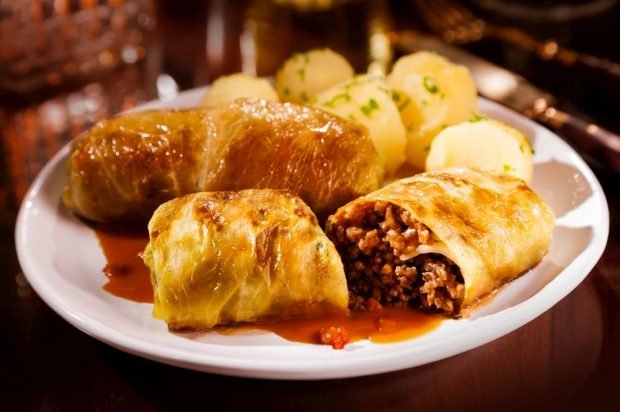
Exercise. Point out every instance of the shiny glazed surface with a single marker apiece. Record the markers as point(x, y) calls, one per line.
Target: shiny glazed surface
point(124, 167)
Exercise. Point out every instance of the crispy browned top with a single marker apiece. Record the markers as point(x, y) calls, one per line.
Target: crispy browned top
point(244, 256)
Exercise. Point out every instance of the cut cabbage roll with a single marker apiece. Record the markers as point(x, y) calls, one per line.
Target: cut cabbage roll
point(442, 241)
point(126, 166)
point(218, 258)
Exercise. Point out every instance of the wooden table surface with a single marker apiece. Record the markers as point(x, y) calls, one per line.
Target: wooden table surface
point(566, 359)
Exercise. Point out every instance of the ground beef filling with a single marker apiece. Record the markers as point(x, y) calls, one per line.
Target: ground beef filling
point(376, 242)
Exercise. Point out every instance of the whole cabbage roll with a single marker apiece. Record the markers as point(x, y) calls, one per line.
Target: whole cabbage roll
point(443, 241)
point(126, 166)
point(249, 256)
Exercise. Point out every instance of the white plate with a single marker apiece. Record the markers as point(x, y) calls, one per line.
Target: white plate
point(62, 260)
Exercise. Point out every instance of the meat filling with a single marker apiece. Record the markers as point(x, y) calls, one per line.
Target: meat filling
point(377, 243)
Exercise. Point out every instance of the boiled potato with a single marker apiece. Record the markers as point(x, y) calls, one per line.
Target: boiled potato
point(304, 75)
point(227, 89)
point(365, 99)
point(432, 93)
point(482, 144)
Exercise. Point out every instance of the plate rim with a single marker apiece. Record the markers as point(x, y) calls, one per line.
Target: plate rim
point(258, 368)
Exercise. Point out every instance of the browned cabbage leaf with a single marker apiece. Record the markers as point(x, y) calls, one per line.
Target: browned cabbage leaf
point(126, 166)
point(248, 256)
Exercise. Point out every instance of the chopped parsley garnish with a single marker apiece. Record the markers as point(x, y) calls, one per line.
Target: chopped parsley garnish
point(306, 56)
point(508, 168)
point(370, 107)
point(304, 96)
point(430, 84)
point(331, 103)
point(302, 74)
point(396, 97)
point(357, 82)
point(286, 91)
point(477, 117)
point(522, 148)
point(404, 104)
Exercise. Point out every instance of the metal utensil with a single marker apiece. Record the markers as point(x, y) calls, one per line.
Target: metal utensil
point(455, 23)
point(512, 90)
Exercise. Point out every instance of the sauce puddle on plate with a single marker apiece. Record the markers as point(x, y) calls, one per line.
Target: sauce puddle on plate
point(387, 325)
point(129, 278)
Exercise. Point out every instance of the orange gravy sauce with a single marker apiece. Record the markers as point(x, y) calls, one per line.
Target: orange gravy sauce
point(385, 326)
point(129, 278)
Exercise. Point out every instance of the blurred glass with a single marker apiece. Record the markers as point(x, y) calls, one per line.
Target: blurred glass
point(47, 42)
point(275, 29)
point(558, 11)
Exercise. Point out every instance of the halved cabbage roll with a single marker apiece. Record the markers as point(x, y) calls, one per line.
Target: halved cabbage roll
point(249, 256)
point(126, 166)
point(443, 241)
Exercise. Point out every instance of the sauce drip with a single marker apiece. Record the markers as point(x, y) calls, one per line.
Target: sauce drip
point(129, 278)
point(385, 326)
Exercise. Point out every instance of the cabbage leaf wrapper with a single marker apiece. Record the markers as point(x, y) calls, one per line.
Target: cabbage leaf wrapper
point(124, 167)
point(442, 241)
point(221, 258)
